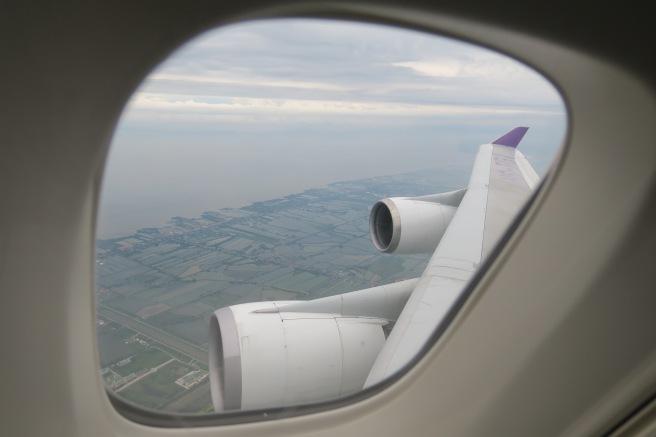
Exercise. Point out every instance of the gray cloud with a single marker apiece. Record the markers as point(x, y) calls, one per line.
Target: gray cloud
point(312, 59)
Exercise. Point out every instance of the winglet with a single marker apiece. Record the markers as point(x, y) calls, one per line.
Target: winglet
point(512, 138)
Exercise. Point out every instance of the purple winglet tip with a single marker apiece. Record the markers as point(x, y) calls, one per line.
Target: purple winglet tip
point(512, 138)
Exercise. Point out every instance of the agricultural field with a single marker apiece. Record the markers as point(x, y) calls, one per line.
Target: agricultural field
point(171, 279)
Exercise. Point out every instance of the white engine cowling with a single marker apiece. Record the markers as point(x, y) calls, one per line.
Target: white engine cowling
point(407, 225)
point(261, 358)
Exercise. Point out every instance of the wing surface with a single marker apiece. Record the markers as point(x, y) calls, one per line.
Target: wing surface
point(501, 181)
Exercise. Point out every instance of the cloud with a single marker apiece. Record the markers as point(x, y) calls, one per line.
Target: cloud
point(329, 60)
point(308, 71)
point(144, 104)
point(328, 77)
point(253, 81)
point(448, 68)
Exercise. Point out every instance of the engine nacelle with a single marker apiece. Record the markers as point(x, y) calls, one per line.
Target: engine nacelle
point(409, 225)
point(261, 356)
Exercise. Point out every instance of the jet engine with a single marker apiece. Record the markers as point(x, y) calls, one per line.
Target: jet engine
point(262, 356)
point(412, 224)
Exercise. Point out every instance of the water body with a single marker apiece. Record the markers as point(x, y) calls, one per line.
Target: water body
point(156, 174)
point(145, 186)
point(124, 215)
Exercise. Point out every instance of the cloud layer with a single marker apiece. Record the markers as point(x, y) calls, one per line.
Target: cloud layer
point(301, 66)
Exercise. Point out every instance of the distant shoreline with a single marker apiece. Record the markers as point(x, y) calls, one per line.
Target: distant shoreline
point(112, 230)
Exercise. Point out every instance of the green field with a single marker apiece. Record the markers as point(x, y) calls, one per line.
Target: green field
point(114, 344)
point(158, 388)
point(145, 360)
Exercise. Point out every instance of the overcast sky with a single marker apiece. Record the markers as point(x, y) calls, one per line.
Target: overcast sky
point(259, 110)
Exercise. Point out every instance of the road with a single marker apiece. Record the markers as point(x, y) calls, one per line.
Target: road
point(154, 333)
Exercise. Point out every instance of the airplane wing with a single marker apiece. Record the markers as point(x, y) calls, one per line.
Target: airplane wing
point(500, 183)
point(272, 354)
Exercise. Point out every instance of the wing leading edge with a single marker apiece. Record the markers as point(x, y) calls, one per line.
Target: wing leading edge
point(501, 181)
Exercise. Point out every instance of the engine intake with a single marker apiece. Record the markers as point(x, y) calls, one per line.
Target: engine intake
point(409, 225)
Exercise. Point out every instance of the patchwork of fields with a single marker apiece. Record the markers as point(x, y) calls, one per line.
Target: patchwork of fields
point(303, 246)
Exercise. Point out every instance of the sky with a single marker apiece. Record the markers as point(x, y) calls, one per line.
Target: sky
point(258, 110)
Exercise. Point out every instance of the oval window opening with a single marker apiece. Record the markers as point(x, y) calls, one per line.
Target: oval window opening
point(246, 181)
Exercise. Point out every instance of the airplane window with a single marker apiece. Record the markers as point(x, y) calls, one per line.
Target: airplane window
point(280, 196)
